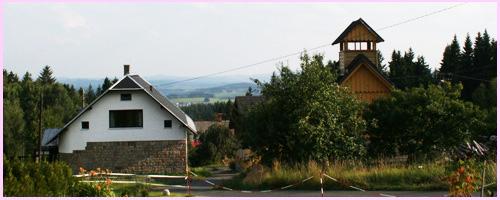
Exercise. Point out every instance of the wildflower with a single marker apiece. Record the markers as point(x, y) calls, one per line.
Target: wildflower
point(98, 187)
point(108, 181)
point(468, 179)
point(461, 170)
point(93, 173)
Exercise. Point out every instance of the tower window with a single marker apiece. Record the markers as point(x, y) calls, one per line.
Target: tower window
point(363, 46)
point(351, 46)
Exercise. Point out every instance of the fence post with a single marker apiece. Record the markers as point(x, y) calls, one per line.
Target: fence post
point(482, 179)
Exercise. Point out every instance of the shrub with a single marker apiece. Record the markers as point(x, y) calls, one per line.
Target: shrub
point(37, 179)
point(422, 122)
point(217, 143)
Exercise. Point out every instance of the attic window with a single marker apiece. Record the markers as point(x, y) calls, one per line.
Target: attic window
point(167, 123)
point(85, 125)
point(125, 118)
point(126, 97)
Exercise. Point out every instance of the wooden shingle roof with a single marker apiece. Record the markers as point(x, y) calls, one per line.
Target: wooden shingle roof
point(351, 27)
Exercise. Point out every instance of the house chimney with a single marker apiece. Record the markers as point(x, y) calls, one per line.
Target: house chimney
point(126, 69)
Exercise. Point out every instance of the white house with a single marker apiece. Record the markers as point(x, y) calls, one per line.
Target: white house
point(131, 127)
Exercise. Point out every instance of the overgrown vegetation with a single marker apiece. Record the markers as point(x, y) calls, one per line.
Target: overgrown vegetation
point(37, 179)
point(379, 175)
point(217, 144)
point(306, 116)
point(423, 123)
point(206, 112)
point(24, 178)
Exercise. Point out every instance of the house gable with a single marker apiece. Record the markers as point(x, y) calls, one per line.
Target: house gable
point(365, 81)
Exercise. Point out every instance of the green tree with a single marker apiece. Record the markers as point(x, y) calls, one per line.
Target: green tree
point(46, 76)
point(382, 68)
point(423, 122)
point(30, 99)
point(485, 95)
point(306, 116)
point(90, 94)
point(450, 64)
point(13, 125)
point(217, 143)
point(249, 92)
point(405, 72)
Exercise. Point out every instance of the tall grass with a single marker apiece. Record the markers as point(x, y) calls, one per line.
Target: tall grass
point(379, 176)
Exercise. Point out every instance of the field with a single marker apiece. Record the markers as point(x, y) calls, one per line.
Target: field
point(198, 100)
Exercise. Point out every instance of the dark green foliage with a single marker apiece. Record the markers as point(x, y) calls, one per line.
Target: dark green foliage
point(405, 72)
point(474, 65)
point(90, 94)
point(206, 112)
point(382, 68)
point(451, 59)
point(423, 122)
point(249, 92)
point(46, 77)
point(22, 101)
point(37, 179)
point(306, 116)
point(14, 126)
point(485, 95)
point(217, 142)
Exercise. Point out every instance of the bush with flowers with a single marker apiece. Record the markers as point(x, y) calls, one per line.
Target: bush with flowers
point(96, 184)
point(464, 178)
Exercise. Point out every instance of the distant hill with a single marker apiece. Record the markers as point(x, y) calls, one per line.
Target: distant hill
point(218, 88)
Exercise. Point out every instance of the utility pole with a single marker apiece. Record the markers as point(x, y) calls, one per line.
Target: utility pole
point(39, 158)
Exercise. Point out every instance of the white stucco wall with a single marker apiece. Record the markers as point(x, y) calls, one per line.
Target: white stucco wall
point(75, 138)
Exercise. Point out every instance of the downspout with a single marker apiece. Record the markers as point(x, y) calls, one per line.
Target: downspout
point(186, 146)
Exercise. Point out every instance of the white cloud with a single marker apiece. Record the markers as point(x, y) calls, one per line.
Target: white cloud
point(70, 18)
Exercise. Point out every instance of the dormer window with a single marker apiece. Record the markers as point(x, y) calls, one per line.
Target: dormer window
point(126, 97)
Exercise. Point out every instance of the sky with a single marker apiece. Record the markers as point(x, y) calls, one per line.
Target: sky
point(94, 40)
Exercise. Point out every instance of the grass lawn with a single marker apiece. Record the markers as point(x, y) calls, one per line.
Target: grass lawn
point(140, 190)
point(422, 177)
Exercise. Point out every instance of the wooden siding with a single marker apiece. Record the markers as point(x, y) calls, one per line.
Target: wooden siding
point(366, 85)
point(359, 33)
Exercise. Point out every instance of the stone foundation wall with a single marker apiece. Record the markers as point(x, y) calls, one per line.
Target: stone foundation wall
point(139, 157)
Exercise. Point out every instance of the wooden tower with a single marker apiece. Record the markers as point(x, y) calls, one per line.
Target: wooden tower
point(358, 62)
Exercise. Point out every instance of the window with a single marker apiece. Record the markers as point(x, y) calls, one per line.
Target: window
point(167, 123)
point(363, 46)
point(351, 46)
point(125, 118)
point(126, 97)
point(85, 125)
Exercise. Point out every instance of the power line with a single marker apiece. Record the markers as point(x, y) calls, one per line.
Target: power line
point(245, 66)
point(471, 78)
point(311, 49)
